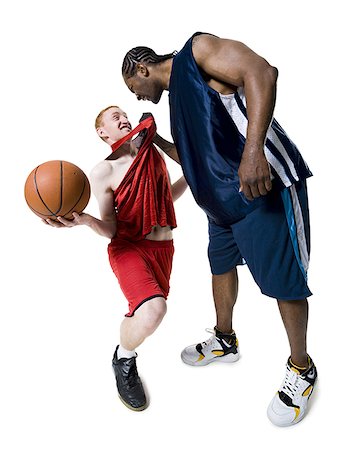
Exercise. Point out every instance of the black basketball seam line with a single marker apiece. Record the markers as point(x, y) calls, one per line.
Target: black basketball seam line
point(61, 190)
point(39, 195)
point(82, 192)
point(41, 213)
point(61, 187)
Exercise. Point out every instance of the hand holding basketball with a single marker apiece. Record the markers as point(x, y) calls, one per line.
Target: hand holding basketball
point(60, 222)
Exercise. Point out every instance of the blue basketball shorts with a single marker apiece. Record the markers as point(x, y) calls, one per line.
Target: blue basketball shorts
point(274, 242)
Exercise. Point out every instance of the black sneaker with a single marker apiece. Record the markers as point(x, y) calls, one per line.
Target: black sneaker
point(129, 385)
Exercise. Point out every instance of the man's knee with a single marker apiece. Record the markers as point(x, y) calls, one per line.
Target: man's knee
point(232, 273)
point(154, 312)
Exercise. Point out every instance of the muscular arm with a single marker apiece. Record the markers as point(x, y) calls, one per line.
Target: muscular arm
point(234, 65)
point(167, 147)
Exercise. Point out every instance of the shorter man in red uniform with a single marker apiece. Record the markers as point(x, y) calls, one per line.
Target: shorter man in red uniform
point(135, 200)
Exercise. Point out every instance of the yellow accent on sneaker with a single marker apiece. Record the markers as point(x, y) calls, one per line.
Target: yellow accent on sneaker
point(297, 411)
point(307, 391)
point(218, 352)
point(295, 370)
point(200, 358)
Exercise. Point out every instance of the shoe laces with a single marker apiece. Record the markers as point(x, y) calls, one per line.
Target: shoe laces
point(209, 341)
point(132, 376)
point(291, 383)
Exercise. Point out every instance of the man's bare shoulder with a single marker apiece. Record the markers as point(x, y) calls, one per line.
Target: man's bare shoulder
point(203, 42)
point(101, 170)
point(206, 45)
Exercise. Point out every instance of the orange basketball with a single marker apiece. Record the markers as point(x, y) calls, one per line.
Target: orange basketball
point(57, 188)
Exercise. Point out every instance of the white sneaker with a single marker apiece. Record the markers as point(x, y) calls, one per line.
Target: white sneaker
point(219, 347)
point(289, 405)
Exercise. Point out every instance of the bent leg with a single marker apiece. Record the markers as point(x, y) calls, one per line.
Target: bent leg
point(294, 314)
point(145, 321)
point(133, 332)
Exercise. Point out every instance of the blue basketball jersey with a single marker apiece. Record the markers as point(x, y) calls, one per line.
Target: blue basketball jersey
point(209, 131)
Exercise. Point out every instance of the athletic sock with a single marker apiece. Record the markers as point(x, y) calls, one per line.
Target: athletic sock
point(301, 369)
point(124, 353)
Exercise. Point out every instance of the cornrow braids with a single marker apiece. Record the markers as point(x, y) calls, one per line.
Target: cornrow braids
point(143, 55)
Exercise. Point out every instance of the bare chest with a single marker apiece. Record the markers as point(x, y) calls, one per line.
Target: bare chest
point(120, 168)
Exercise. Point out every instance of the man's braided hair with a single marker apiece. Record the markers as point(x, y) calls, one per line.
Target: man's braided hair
point(144, 55)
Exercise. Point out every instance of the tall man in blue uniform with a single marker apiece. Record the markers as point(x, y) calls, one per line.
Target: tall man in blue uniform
point(250, 179)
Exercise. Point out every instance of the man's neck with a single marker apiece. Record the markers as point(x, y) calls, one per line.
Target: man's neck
point(166, 67)
point(128, 148)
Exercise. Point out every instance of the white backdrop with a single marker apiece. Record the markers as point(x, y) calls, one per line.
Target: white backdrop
point(60, 303)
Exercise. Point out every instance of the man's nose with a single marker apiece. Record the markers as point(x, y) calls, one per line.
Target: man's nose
point(124, 123)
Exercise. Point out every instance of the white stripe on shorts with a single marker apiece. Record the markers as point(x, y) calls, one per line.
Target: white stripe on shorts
point(301, 235)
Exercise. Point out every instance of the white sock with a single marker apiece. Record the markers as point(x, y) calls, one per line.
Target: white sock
point(124, 353)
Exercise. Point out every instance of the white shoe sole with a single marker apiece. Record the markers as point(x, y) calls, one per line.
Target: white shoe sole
point(230, 358)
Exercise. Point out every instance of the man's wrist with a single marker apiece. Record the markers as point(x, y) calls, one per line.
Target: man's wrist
point(253, 148)
point(88, 220)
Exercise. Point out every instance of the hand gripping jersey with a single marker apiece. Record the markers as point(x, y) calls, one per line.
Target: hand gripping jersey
point(209, 131)
point(143, 199)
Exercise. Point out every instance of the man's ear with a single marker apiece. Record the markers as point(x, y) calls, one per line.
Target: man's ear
point(101, 132)
point(142, 70)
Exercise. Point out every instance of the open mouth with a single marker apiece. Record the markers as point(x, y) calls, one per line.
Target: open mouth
point(126, 127)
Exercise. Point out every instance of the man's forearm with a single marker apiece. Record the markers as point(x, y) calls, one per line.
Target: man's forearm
point(167, 147)
point(101, 227)
point(162, 143)
point(260, 93)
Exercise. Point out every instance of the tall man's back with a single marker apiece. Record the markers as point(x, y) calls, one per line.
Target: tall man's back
point(249, 178)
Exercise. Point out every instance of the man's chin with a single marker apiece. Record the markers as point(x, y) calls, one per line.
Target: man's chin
point(157, 99)
point(124, 133)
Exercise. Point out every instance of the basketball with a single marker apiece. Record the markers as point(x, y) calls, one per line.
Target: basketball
point(57, 188)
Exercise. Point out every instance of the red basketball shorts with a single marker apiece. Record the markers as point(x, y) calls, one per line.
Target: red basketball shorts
point(142, 268)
